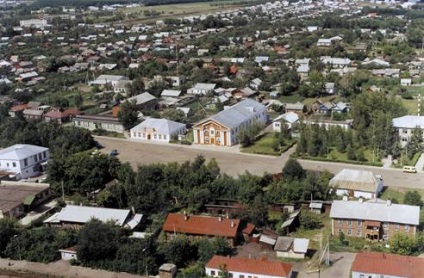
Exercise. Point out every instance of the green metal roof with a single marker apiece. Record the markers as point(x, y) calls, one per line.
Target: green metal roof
point(28, 200)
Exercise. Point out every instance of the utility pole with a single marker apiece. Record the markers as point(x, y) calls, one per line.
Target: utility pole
point(63, 192)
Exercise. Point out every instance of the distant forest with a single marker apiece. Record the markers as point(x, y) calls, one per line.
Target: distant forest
point(86, 3)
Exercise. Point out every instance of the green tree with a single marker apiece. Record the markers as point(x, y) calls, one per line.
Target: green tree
point(292, 170)
point(309, 220)
point(136, 87)
point(248, 135)
point(174, 115)
point(98, 241)
point(8, 229)
point(128, 115)
point(413, 198)
point(177, 251)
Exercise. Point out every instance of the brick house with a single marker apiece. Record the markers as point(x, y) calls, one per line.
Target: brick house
point(195, 226)
point(373, 220)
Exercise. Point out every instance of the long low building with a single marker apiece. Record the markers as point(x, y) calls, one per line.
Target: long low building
point(373, 220)
point(159, 130)
point(357, 183)
point(76, 216)
point(245, 267)
point(98, 122)
point(18, 197)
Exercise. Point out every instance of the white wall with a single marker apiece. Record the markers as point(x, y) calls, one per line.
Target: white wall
point(366, 195)
point(290, 254)
point(67, 256)
point(24, 171)
point(237, 274)
point(367, 275)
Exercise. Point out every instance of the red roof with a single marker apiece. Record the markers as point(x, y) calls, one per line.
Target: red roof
point(17, 108)
point(389, 264)
point(55, 114)
point(250, 266)
point(249, 229)
point(201, 225)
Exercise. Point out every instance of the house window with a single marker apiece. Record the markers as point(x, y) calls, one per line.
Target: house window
point(361, 276)
point(160, 136)
point(340, 231)
point(35, 158)
point(213, 272)
point(25, 162)
point(155, 136)
point(396, 227)
point(164, 137)
point(349, 223)
point(230, 275)
point(40, 157)
point(405, 131)
point(44, 155)
point(349, 231)
point(212, 132)
point(359, 233)
point(385, 225)
point(7, 164)
point(241, 276)
point(406, 227)
point(14, 164)
point(404, 139)
point(359, 223)
point(340, 222)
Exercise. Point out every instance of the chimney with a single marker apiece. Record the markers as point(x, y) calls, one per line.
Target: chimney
point(220, 218)
point(185, 216)
point(345, 198)
point(389, 202)
point(232, 224)
point(361, 200)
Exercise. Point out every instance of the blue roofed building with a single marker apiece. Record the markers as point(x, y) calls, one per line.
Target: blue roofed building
point(222, 129)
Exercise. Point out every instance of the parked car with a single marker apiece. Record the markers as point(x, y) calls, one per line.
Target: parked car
point(113, 153)
point(409, 169)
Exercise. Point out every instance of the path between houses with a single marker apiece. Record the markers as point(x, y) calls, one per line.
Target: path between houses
point(420, 163)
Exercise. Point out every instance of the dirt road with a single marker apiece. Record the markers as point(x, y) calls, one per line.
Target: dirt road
point(232, 162)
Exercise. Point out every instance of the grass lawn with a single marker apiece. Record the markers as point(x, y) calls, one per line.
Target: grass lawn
point(398, 193)
point(291, 99)
point(264, 145)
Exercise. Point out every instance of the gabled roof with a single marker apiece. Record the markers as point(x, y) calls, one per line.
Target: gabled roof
point(171, 93)
point(355, 180)
point(394, 213)
point(163, 126)
point(201, 225)
point(205, 86)
point(290, 117)
point(20, 151)
point(409, 122)
point(83, 214)
point(142, 98)
point(388, 264)
point(250, 266)
point(237, 114)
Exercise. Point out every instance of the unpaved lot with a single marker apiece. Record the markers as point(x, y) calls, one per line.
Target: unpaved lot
point(232, 162)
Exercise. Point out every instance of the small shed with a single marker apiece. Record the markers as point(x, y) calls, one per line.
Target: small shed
point(316, 207)
point(68, 254)
point(167, 271)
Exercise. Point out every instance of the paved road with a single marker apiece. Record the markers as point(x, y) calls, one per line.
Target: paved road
point(232, 162)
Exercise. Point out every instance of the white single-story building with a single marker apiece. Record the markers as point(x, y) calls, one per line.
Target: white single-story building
point(288, 118)
point(202, 89)
point(289, 247)
point(159, 130)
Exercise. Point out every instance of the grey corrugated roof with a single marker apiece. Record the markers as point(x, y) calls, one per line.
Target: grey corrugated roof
point(163, 126)
point(142, 98)
point(300, 245)
point(238, 113)
point(394, 213)
point(266, 239)
point(20, 151)
point(283, 243)
point(355, 180)
point(409, 122)
point(82, 214)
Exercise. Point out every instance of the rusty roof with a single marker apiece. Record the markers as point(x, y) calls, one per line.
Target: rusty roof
point(389, 264)
point(201, 225)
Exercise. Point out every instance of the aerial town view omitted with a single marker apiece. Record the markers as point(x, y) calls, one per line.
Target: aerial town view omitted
point(212, 138)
